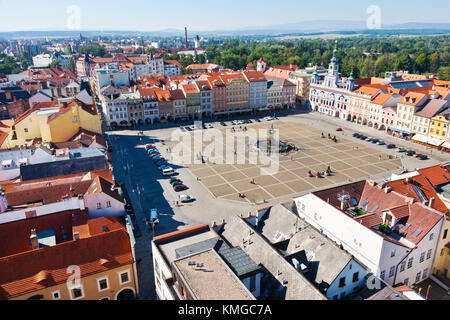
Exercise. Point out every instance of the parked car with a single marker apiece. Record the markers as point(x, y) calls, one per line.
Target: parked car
point(185, 198)
point(150, 146)
point(177, 183)
point(168, 172)
point(374, 141)
point(401, 150)
point(362, 137)
point(157, 158)
point(188, 128)
point(368, 139)
point(257, 120)
point(269, 119)
point(339, 130)
point(423, 157)
point(152, 156)
point(417, 154)
point(234, 122)
point(410, 153)
point(180, 188)
point(380, 143)
point(390, 146)
point(172, 180)
point(248, 121)
point(223, 124)
point(356, 135)
point(209, 126)
point(161, 162)
point(163, 167)
point(152, 152)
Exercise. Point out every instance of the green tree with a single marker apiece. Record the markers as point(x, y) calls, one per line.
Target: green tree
point(55, 64)
point(403, 62)
point(421, 64)
point(380, 66)
point(72, 65)
point(435, 62)
point(69, 50)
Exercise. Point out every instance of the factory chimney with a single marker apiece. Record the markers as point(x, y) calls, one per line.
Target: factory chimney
point(186, 38)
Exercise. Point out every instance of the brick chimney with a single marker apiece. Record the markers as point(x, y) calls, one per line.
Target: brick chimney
point(34, 239)
point(76, 236)
point(387, 190)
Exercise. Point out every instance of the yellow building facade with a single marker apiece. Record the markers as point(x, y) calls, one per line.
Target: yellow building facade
point(442, 262)
point(54, 124)
point(439, 127)
point(112, 284)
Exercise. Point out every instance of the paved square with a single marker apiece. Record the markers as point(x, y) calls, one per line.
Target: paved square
point(348, 161)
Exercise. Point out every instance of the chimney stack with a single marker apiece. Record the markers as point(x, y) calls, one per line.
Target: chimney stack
point(76, 236)
point(342, 205)
point(431, 203)
point(34, 239)
point(387, 190)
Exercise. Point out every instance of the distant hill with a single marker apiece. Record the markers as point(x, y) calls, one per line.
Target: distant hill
point(304, 27)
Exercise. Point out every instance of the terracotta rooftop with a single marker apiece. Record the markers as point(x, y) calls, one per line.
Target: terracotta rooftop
point(104, 247)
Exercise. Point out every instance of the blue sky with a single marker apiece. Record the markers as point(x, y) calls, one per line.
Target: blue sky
point(151, 15)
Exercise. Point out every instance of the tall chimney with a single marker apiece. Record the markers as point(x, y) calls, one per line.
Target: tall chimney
point(186, 38)
point(342, 205)
point(34, 240)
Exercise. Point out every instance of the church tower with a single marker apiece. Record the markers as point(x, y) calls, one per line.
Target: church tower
point(332, 78)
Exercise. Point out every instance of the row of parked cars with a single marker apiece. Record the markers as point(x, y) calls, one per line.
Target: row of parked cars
point(165, 168)
point(409, 153)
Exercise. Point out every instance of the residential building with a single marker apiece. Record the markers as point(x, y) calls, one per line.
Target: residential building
point(422, 124)
point(302, 79)
point(219, 95)
point(257, 89)
point(330, 269)
point(410, 104)
point(382, 111)
point(394, 236)
point(55, 122)
point(274, 94)
point(193, 100)
point(115, 108)
point(205, 97)
point(149, 104)
point(38, 257)
point(237, 93)
point(172, 68)
point(204, 68)
point(181, 257)
point(439, 126)
point(179, 104)
point(361, 108)
point(165, 103)
point(110, 76)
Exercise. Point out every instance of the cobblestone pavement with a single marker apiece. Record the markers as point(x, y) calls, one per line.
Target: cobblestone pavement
point(148, 189)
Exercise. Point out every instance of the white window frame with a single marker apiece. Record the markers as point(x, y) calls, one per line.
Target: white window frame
point(59, 295)
point(120, 276)
point(76, 287)
point(98, 283)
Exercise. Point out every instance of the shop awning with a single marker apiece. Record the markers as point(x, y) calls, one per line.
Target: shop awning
point(428, 140)
point(446, 145)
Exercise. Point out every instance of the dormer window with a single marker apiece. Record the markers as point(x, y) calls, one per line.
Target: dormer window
point(388, 219)
point(6, 164)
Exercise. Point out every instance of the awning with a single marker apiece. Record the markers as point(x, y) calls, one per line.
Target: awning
point(446, 145)
point(428, 140)
point(399, 130)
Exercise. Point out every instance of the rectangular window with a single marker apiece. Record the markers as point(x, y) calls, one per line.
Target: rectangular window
point(410, 262)
point(108, 204)
point(418, 276)
point(429, 253)
point(422, 257)
point(445, 234)
point(383, 274)
point(76, 293)
point(425, 274)
point(405, 282)
point(356, 277)
point(56, 295)
point(403, 266)
point(393, 253)
point(99, 205)
point(124, 277)
point(102, 284)
point(342, 282)
point(392, 272)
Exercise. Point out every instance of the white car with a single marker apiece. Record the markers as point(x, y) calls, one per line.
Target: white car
point(268, 119)
point(185, 198)
point(209, 126)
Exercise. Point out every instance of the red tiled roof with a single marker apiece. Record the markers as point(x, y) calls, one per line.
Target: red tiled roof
point(97, 253)
point(436, 175)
